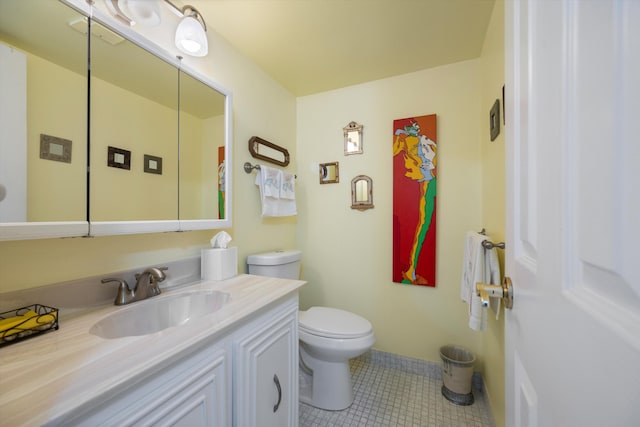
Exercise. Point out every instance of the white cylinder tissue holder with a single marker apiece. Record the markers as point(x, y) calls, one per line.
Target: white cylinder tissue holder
point(218, 263)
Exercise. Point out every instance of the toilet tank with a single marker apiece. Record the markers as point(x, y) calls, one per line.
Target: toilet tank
point(283, 264)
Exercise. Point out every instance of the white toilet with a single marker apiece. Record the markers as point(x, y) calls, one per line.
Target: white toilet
point(329, 337)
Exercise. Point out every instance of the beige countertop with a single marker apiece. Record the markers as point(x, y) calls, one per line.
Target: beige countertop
point(64, 371)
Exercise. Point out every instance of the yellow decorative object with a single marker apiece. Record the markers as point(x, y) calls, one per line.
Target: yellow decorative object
point(29, 320)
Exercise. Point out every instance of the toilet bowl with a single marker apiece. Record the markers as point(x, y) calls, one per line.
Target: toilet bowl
point(328, 338)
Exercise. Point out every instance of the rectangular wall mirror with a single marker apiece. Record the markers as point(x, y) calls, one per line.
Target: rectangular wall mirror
point(134, 107)
point(202, 132)
point(143, 101)
point(44, 61)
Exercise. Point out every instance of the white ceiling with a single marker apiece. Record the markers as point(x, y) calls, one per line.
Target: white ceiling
point(312, 46)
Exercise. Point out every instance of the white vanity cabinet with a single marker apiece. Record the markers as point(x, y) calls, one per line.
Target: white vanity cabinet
point(192, 392)
point(237, 367)
point(247, 377)
point(265, 354)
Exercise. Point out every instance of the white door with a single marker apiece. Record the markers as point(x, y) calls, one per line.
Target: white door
point(573, 212)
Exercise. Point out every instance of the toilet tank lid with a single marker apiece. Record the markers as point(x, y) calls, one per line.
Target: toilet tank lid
point(275, 257)
point(333, 323)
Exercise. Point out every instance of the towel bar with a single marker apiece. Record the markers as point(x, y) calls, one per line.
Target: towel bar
point(248, 167)
point(487, 244)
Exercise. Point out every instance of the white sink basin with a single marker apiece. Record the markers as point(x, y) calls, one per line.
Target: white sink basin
point(158, 313)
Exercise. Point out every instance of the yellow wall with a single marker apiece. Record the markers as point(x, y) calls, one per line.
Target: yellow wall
point(125, 120)
point(56, 190)
point(348, 253)
point(493, 200)
point(261, 107)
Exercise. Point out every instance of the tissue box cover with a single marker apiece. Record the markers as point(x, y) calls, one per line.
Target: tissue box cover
point(218, 263)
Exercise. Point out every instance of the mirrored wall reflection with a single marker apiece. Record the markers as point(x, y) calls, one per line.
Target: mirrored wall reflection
point(202, 151)
point(44, 103)
point(134, 131)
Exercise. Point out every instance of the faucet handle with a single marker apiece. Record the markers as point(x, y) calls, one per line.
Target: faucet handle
point(161, 276)
point(157, 272)
point(124, 291)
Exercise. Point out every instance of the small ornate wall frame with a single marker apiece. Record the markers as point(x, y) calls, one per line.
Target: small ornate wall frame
point(329, 173)
point(361, 193)
point(268, 151)
point(352, 138)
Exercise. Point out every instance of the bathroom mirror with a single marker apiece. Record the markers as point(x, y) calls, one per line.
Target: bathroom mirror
point(268, 151)
point(144, 198)
point(329, 173)
point(44, 96)
point(202, 157)
point(352, 138)
point(135, 112)
point(361, 193)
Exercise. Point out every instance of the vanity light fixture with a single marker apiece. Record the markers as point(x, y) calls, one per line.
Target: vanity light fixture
point(132, 12)
point(191, 36)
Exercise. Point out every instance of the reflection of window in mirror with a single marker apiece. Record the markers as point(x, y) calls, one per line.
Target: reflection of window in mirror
point(352, 138)
point(361, 193)
point(329, 173)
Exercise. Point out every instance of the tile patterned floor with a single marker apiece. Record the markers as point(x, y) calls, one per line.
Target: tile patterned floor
point(392, 390)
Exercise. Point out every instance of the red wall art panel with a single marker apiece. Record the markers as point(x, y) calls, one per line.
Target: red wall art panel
point(222, 170)
point(414, 200)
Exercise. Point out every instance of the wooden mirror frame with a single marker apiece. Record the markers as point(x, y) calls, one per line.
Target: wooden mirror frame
point(254, 148)
point(360, 204)
point(352, 127)
point(325, 177)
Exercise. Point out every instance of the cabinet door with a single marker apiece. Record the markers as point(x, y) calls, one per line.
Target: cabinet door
point(191, 393)
point(266, 369)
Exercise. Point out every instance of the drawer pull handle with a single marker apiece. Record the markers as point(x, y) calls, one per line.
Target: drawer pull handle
point(277, 381)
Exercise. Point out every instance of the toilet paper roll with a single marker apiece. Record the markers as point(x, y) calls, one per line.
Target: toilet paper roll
point(218, 263)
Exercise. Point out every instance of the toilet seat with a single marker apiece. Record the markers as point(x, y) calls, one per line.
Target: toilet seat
point(333, 323)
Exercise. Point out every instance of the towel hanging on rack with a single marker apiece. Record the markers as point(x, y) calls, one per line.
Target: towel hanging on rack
point(277, 192)
point(479, 265)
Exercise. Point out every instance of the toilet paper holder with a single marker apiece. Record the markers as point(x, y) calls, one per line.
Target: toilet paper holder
point(504, 291)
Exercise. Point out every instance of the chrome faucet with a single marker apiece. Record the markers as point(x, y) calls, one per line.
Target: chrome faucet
point(146, 286)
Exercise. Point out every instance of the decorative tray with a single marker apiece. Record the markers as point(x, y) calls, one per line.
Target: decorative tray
point(25, 322)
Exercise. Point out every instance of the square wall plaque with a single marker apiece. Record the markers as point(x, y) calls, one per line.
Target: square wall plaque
point(54, 148)
point(153, 164)
point(118, 158)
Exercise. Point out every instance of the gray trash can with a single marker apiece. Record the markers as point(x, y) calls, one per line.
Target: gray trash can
point(457, 372)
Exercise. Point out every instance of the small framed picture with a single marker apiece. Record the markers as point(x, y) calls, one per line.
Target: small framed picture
point(54, 148)
point(152, 164)
point(118, 158)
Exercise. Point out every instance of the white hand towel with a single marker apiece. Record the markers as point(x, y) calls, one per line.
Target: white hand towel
point(473, 271)
point(287, 205)
point(288, 189)
point(270, 181)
